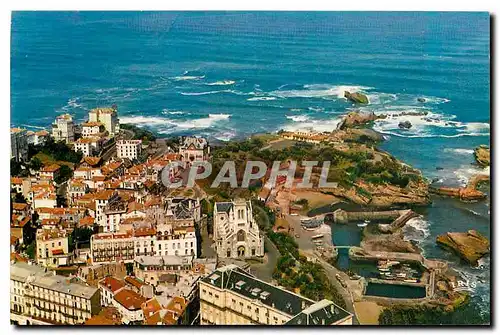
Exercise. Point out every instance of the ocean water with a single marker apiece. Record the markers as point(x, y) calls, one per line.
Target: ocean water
point(227, 75)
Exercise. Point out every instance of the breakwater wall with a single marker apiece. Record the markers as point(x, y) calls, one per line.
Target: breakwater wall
point(399, 216)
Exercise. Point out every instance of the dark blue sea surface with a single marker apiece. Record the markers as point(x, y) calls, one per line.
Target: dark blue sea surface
point(230, 74)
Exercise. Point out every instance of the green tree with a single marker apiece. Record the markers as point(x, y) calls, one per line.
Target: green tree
point(64, 174)
point(35, 164)
point(31, 249)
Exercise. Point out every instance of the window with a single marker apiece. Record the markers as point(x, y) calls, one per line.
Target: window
point(159, 246)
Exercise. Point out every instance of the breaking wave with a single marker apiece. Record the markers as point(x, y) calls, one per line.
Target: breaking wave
point(416, 229)
point(261, 99)
point(221, 83)
point(322, 91)
point(298, 118)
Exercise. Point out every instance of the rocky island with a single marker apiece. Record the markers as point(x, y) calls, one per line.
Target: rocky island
point(470, 246)
point(482, 155)
point(357, 97)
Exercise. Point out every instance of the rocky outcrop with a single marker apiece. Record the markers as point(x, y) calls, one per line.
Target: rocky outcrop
point(354, 119)
point(467, 193)
point(482, 155)
point(421, 99)
point(385, 196)
point(405, 125)
point(389, 243)
point(359, 98)
point(363, 135)
point(470, 246)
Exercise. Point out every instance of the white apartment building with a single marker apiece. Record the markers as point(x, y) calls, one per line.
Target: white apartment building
point(89, 146)
point(52, 247)
point(129, 304)
point(231, 296)
point(112, 247)
point(108, 117)
point(18, 144)
point(38, 137)
point(145, 241)
point(151, 269)
point(175, 241)
point(63, 129)
point(109, 286)
point(236, 234)
point(101, 201)
point(43, 298)
point(130, 149)
point(92, 129)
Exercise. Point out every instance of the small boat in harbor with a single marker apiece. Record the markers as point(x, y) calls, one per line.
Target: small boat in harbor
point(362, 225)
point(317, 236)
point(411, 280)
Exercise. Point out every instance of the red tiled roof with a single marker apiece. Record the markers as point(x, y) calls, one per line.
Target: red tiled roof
point(19, 206)
point(145, 231)
point(16, 180)
point(108, 316)
point(134, 282)
point(150, 307)
point(111, 283)
point(51, 168)
point(87, 221)
point(19, 221)
point(129, 299)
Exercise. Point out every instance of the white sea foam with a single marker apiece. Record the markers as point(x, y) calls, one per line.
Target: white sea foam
point(166, 111)
point(205, 93)
point(164, 125)
point(425, 123)
point(261, 99)
point(416, 229)
point(465, 172)
point(313, 125)
point(31, 126)
point(217, 92)
point(182, 78)
point(460, 151)
point(221, 83)
point(146, 120)
point(225, 136)
point(201, 123)
point(323, 91)
point(316, 109)
point(298, 118)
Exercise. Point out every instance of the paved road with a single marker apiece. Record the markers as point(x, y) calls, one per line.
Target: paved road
point(307, 247)
point(331, 271)
point(264, 271)
point(207, 250)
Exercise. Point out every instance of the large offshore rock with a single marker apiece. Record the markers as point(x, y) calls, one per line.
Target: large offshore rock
point(359, 98)
point(482, 155)
point(470, 246)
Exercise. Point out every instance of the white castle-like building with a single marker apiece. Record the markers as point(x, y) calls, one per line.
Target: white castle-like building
point(236, 233)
